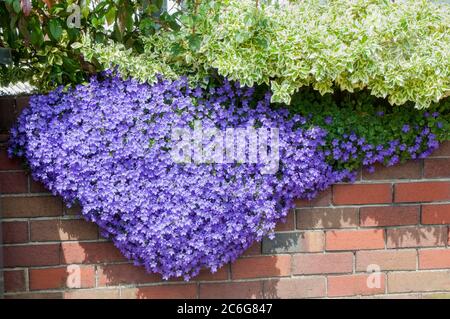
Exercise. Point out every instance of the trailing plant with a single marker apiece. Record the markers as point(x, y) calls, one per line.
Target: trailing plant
point(109, 145)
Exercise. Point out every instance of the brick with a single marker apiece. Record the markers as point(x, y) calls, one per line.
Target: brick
point(113, 275)
point(7, 114)
point(354, 285)
point(36, 295)
point(416, 237)
point(21, 103)
point(38, 206)
point(438, 295)
point(14, 280)
point(207, 275)
point(15, 232)
point(394, 296)
point(316, 218)
point(37, 187)
point(419, 281)
point(254, 250)
point(56, 229)
point(74, 210)
point(232, 290)
point(434, 258)
point(389, 216)
point(31, 255)
point(308, 287)
point(7, 163)
point(311, 241)
point(4, 138)
point(354, 239)
point(436, 214)
point(13, 182)
point(403, 259)
point(436, 168)
point(408, 170)
point(321, 200)
point(422, 192)
point(356, 194)
point(262, 266)
point(288, 224)
point(62, 277)
point(188, 291)
point(330, 263)
point(443, 150)
point(92, 294)
point(89, 252)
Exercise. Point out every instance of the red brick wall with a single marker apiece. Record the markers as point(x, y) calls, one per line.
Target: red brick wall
point(397, 219)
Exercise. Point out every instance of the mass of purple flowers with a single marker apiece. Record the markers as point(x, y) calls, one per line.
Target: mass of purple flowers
point(107, 146)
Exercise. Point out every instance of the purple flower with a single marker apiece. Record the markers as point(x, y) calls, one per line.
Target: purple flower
point(107, 145)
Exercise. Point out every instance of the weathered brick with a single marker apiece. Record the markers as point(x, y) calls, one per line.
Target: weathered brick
point(321, 200)
point(354, 285)
point(36, 295)
point(443, 150)
point(14, 280)
point(14, 232)
point(436, 168)
point(436, 214)
point(316, 218)
point(261, 266)
point(288, 224)
point(434, 258)
point(403, 259)
point(57, 229)
point(308, 287)
point(74, 210)
point(422, 192)
point(92, 294)
point(436, 295)
point(117, 274)
point(7, 163)
point(419, 281)
point(329, 263)
point(254, 250)
point(408, 170)
point(13, 182)
point(416, 237)
point(207, 275)
point(349, 194)
point(389, 216)
point(31, 255)
point(62, 277)
point(89, 252)
point(231, 290)
point(37, 206)
point(311, 241)
point(37, 187)
point(354, 239)
point(186, 291)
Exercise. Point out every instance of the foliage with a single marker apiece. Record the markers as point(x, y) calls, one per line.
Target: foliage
point(44, 36)
point(399, 50)
point(108, 145)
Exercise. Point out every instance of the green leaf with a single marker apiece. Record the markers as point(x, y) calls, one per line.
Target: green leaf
point(16, 6)
point(37, 37)
point(55, 29)
point(111, 15)
point(76, 45)
point(195, 42)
